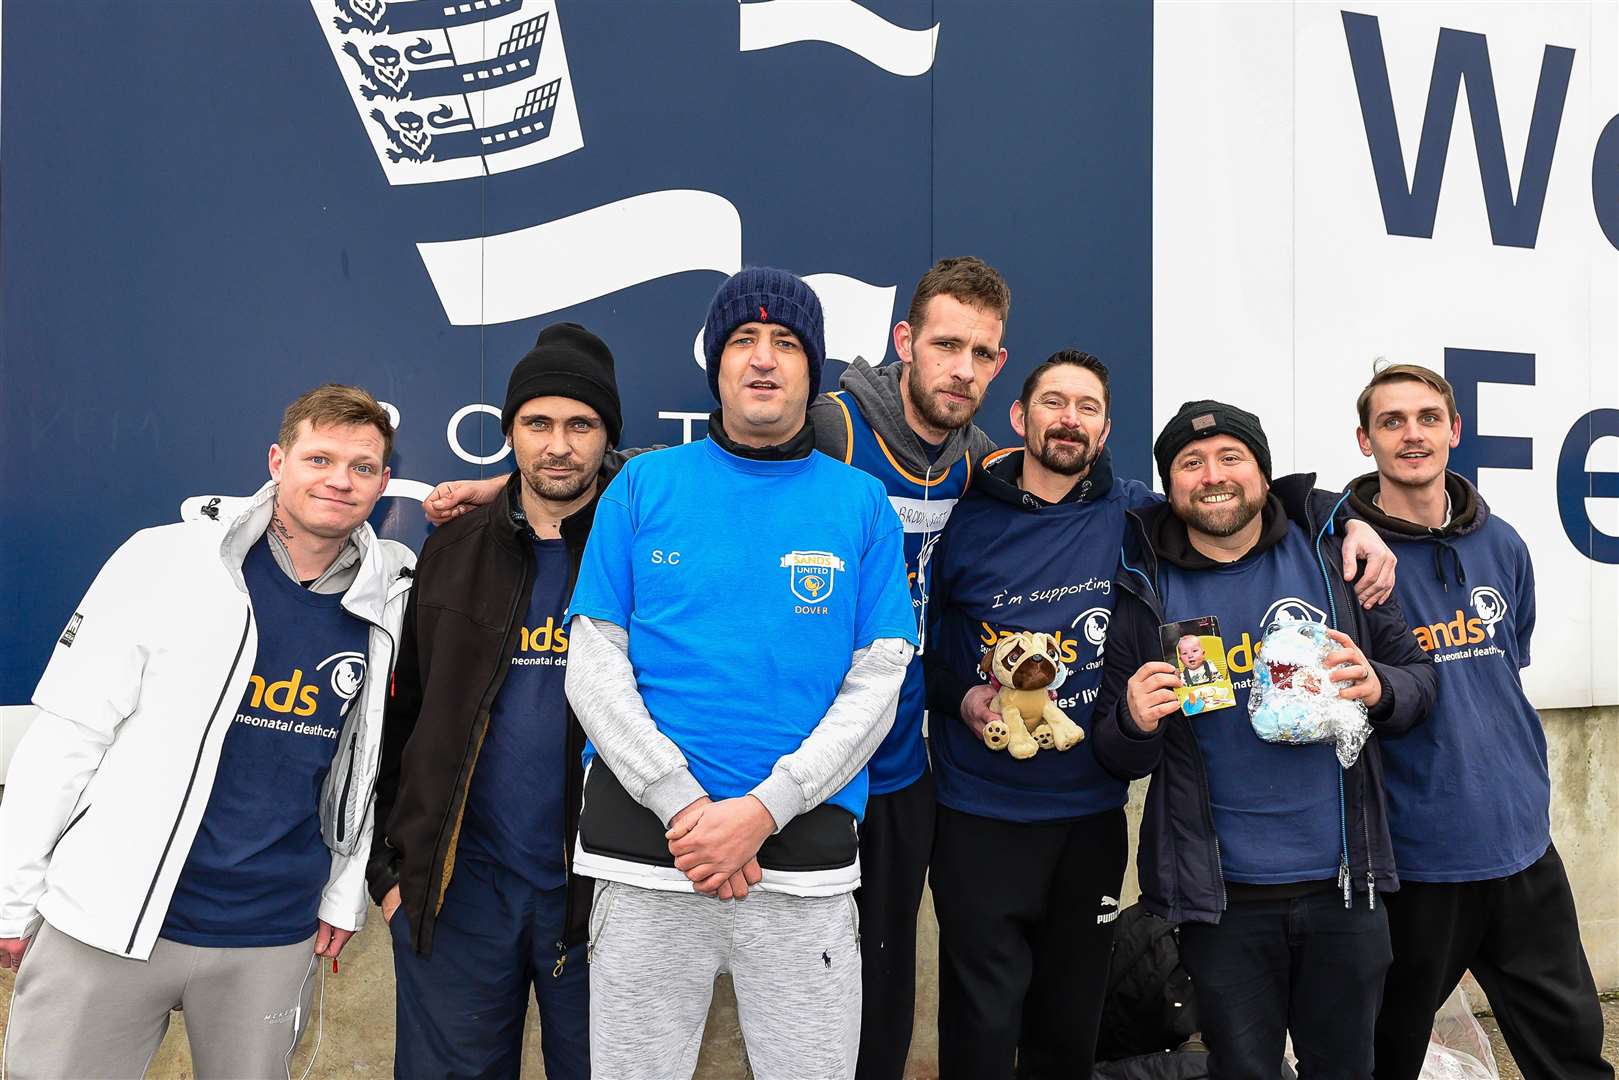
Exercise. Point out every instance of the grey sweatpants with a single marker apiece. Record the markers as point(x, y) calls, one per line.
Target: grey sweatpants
point(795, 963)
point(81, 1012)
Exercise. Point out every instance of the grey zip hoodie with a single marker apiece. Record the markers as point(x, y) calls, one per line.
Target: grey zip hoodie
point(875, 392)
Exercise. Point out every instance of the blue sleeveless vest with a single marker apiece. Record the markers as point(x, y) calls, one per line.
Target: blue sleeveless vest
point(923, 504)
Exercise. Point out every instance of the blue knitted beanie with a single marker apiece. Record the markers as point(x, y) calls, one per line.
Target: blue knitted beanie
point(768, 296)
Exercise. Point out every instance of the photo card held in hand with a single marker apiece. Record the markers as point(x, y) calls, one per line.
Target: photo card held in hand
point(1193, 647)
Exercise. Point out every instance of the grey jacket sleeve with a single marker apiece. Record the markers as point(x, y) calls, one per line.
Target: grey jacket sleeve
point(601, 688)
point(841, 744)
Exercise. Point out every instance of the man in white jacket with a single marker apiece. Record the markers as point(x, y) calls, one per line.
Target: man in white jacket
point(187, 821)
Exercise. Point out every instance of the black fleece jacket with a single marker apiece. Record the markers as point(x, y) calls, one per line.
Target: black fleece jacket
point(461, 625)
point(1179, 856)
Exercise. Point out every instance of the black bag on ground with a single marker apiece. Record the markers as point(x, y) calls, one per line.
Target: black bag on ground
point(1164, 1065)
point(1149, 1003)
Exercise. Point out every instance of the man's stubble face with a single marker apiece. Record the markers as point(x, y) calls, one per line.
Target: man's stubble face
point(950, 360)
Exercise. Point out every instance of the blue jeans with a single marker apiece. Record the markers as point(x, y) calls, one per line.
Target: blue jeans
point(460, 1011)
point(1308, 966)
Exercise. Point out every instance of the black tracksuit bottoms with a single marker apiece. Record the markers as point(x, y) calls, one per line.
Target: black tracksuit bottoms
point(1521, 938)
point(896, 839)
point(1026, 918)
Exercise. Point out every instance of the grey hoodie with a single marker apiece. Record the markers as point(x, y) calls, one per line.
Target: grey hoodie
point(875, 392)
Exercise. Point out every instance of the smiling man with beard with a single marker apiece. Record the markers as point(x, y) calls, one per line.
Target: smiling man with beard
point(1269, 856)
point(478, 799)
point(1028, 854)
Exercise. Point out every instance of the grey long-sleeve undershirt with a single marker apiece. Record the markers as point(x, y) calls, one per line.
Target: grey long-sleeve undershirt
point(602, 690)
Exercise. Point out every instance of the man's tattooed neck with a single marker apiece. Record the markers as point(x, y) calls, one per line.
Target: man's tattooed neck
point(279, 526)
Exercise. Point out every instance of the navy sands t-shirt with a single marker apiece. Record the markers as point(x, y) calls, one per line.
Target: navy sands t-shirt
point(1275, 806)
point(258, 865)
point(514, 808)
point(999, 571)
point(1469, 788)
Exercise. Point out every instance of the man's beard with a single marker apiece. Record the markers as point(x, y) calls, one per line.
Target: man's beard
point(556, 489)
point(1066, 460)
point(1223, 519)
point(936, 412)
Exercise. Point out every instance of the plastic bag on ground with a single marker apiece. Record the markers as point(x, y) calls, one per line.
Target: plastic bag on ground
point(1459, 1050)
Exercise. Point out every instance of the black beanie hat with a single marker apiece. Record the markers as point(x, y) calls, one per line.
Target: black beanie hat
point(1200, 419)
point(566, 361)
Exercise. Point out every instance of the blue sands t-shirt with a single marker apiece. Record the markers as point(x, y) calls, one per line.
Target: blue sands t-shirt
point(746, 587)
point(257, 867)
point(1468, 788)
point(514, 808)
point(1276, 808)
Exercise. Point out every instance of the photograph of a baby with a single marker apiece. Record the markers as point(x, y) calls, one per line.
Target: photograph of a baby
point(1194, 647)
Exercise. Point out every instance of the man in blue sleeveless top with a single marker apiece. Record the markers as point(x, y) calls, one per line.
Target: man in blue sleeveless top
point(1469, 791)
point(1270, 856)
point(909, 424)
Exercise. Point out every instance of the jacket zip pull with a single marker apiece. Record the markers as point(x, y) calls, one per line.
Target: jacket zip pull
point(1343, 882)
point(1371, 892)
point(562, 962)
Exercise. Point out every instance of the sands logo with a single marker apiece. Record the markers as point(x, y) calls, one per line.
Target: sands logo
point(813, 577)
point(292, 695)
point(1067, 650)
point(1240, 657)
point(348, 673)
point(1490, 608)
point(549, 637)
point(1292, 609)
point(1093, 622)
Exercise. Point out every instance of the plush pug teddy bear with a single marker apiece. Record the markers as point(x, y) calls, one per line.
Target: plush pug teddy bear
point(1021, 668)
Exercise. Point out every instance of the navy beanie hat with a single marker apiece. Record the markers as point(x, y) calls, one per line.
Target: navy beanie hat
point(1201, 419)
point(768, 296)
point(566, 361)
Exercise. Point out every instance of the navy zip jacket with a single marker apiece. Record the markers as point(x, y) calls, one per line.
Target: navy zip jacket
point(1178, 859)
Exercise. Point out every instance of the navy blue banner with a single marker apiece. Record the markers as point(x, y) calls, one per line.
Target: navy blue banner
point(201, 216)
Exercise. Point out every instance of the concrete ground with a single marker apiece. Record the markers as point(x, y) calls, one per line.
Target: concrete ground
point(357, 1040)
point(1584, 755)
point(1610, 1038)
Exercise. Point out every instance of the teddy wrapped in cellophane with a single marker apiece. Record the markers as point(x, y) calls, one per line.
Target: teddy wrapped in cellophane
point(1293, 700)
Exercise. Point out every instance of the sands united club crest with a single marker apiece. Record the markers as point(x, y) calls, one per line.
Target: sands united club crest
point(448, 89)
point(813, 574)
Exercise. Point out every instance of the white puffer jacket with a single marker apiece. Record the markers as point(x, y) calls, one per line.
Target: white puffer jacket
point(108, 786)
